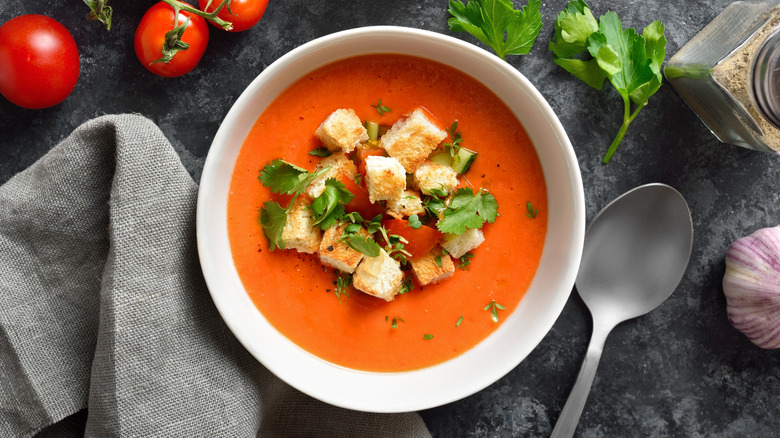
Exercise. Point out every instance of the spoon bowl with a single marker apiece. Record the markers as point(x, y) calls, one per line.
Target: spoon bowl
point(636, 252)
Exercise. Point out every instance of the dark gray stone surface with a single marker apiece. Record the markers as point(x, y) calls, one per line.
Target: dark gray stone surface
point(682, 370)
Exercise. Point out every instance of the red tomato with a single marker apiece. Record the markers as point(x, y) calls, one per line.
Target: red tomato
point(39, 61)
point(360, 203)
point(421, 240)
point(150, 37)
point(243, 13)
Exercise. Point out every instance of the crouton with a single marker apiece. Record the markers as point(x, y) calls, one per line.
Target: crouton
point(459, 244)
point(385, 178)
point(412, 138)
point(337, 254)
point(427, 270)
point(340, 166)
point(434, 178)
point(342, 130)
point(299, 232)
point(379, 276)
point(408, 204)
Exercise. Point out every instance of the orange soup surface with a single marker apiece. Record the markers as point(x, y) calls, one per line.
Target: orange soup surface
point(295, 292)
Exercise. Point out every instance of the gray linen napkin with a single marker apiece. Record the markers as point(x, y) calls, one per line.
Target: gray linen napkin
point(103, 305)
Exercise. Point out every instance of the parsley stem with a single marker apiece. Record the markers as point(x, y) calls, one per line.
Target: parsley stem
point(627, 119)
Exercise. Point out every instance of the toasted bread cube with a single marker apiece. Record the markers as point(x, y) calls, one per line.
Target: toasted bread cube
point(412, 138)
point(379, 276)
point(432, 178)
point(427, 270)
point(337, 254)
point(299, 232)
point(339, 166)
point(385, 178)
point(459, 244)
point(408, 204)
point(342, 130)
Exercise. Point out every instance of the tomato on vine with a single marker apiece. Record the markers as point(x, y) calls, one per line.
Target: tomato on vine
point(170, 44)
point(243, 14)
point(39, 61)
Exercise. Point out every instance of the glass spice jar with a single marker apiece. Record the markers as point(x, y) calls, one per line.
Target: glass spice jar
point(729, 74)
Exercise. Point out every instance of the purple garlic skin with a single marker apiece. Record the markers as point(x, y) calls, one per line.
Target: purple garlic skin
point(752, 286)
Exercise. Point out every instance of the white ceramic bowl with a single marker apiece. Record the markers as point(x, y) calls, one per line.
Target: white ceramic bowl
point(477, 368)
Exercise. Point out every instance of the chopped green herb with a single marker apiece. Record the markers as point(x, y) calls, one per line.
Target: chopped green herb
point(440, 192)
point(427, 337)
point(406, 286)
point(328, 207)
point(342, 286)
point(460, 321)
point(465, 262)
point(497, 24)
point(494, 308)
point(414, 221)
point(433, 205)
point(358, 178)
point(453, 147)
point(354, 217)
point(381, 108)
point(282, 177)
point(352, 228)
point(375, 225)
point(437, 259)
point(394, 323)
point(468, 210)
point(321, 151)
point(363, 244)
point(531, 212)
point(285, 178)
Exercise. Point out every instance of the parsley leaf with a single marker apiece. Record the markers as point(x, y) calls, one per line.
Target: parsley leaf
point(328, 208)
point(496, 23)
point(283, 177)
point(363, 244)
point(631, 62)
point(468, 210)
point(273, 218)
point(321, 151)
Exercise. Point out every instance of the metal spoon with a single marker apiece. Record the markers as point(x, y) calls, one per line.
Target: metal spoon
point(635, 254)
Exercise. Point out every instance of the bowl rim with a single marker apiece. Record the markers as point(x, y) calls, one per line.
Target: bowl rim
point(380, 392)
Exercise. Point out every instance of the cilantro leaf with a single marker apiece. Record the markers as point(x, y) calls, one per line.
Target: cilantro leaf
point(468, 210)
point(496, 23)
point(363, 244)
point(328, 208)
point(631, 62)
point(273, 218)
point(283, 177)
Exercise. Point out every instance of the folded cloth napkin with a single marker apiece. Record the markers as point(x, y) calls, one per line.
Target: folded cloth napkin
point(103, 306)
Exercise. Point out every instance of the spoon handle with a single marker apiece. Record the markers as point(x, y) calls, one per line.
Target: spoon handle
point(570, 416)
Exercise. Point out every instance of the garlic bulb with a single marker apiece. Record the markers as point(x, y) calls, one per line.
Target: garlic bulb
point(752, 286)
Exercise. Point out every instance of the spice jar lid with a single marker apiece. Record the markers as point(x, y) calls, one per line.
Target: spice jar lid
point(766, 78)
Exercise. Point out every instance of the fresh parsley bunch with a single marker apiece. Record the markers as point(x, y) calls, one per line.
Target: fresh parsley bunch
point(597, 50)
point(497, 24)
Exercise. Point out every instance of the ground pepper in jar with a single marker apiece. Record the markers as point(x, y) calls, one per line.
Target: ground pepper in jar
point(727, 75)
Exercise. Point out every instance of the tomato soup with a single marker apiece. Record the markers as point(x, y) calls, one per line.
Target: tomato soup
point(434, 323)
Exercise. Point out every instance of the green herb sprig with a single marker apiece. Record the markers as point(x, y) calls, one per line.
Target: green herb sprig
point(496, 23)
point(597, 50)
point(468, 210)
point(494, 307)
point(283, 178)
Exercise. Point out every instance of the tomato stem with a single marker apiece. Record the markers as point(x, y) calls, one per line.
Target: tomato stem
point(211, 16)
